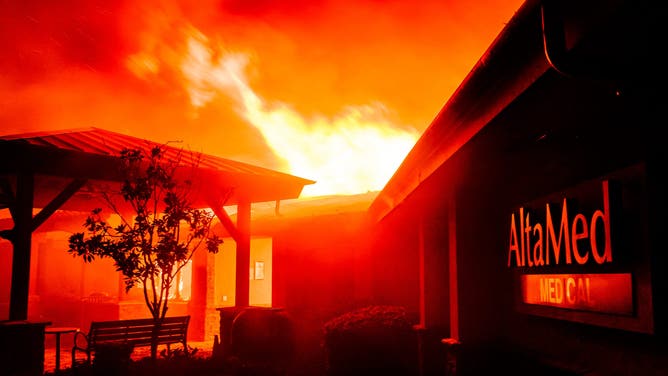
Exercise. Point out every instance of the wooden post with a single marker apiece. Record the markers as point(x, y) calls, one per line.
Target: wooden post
point(243, 254)
point(21, 242)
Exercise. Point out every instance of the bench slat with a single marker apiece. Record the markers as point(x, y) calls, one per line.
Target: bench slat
point(137, 337)
point(138, 322)
point(171, 338)
point(162, 329)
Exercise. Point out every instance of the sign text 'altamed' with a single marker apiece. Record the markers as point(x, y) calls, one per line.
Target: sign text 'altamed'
point(574, 240)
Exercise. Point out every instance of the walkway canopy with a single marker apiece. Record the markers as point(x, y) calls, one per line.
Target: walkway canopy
point(41, 173)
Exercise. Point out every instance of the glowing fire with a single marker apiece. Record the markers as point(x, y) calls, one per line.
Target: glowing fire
point(354, 152)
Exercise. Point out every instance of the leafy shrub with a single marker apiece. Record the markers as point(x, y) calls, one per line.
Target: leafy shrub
point(179, 353)
point(371, 340)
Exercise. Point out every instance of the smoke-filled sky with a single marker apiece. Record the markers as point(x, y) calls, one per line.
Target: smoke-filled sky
point(334, 91)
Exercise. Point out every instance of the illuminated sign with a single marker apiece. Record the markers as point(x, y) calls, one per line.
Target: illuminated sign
point(581, 253)
point(576, 238)
point(605, 293)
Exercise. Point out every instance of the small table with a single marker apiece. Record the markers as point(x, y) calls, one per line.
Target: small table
point(58, 330)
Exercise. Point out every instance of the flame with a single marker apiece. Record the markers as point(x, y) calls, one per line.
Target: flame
point(353, 152)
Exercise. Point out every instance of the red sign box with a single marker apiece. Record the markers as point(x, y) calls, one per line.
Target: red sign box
point(604, 293)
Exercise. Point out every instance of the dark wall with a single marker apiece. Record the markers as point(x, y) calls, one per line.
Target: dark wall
point(436, 272)
point(315, 267)
point(5, 277)
point(394, 263)
point(320, 270)
point(420, 222)
point(561, 132)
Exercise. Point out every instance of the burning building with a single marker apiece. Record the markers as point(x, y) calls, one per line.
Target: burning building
point(526, 224)
point(523, 227)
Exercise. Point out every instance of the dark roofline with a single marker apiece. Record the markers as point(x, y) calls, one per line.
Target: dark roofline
point(512, 63)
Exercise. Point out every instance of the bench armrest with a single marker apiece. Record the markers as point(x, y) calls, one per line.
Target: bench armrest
point(78, 347)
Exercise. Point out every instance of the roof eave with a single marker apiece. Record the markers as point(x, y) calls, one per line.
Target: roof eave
point(510, 65)
point(516, 59)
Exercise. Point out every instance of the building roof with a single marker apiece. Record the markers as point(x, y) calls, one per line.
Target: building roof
point(542, 36)
point(270, 217)
point(57, 157)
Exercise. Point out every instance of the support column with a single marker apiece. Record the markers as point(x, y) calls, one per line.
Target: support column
point(198, 293)
point(243, 254)
point(452, 267)
point(21, 241)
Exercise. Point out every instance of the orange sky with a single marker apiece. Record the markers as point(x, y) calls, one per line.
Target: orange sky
point(309, 87)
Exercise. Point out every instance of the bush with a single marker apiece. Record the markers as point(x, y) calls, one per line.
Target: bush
point(371, 340)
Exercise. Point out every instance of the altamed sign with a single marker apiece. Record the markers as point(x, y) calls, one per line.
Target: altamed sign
point(573, 239)
point(567, 236)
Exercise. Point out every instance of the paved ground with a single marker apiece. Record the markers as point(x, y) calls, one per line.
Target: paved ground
point(203, 349)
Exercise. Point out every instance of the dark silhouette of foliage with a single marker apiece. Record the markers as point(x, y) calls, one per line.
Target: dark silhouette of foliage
point(373, 340)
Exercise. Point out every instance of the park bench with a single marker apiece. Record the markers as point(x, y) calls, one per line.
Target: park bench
point(132, 333)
